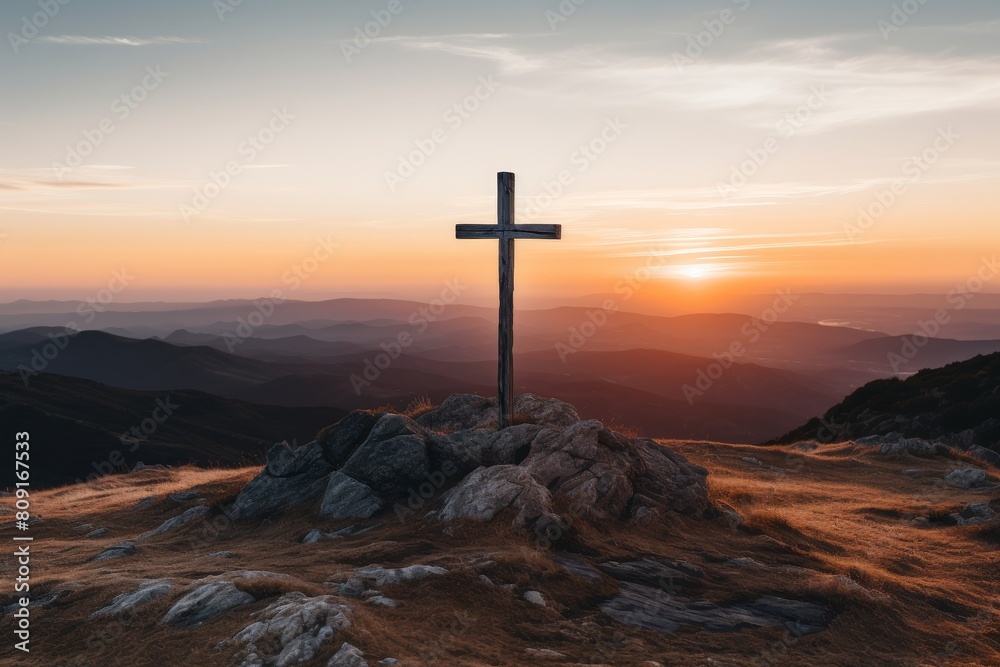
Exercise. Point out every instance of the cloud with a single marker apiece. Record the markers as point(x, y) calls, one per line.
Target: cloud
point(479, 45)
point(756, 84)
point(80, 40)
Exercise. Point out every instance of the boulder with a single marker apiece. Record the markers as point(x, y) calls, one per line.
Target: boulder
point(550, 461)
point(966, 478)
point(488, 491)
point(206, 602)
point(534, 597)
point(346, 498)
point(339, 441)
point(347, 656)
point(913, 447)
point(389, 576)
point(303, 478)
point(983, 454)
point(392, 466)
point(655, 609)
point(978, 512)
point(119, 550)
point(290, 631)
point(181, 519)
point(148, 591)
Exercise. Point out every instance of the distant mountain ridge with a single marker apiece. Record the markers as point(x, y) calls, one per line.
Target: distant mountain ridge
point(959, 403)
point(81, 428)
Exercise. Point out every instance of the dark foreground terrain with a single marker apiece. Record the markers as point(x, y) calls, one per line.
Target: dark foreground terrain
point(879, 560)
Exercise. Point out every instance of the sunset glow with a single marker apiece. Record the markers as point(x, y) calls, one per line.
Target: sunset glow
point(818, 154)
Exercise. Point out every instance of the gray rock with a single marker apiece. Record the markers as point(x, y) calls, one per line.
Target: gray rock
point(382, 601)
point(284, 460)
point(913, 447)
point(314, 535)
point(963, 440)
point(471, 449)
point(655, 609)
point(290, 477)
point(352, 588)
point(910, 472)
point(966, 478)
point(346, 498)
point(173, 523)
point(347, 656)
point(183, 496)
point(390, 467)
point(647, 573)
point(745, 561)
point(221, 554)
point(389, 576)
point(543, 653)
point(534, 597)
point(805, 446)
point(206, 602)
point(290, 631)
point(146, 503)
point(119, 550)
point(97, 532)
point(340, 440)
point(577, 566)
point(388, 662)
point(488, 491)
point(148, 591)
point(552, 460)
point(983, 454)
point(981, 511)
point(266, 494)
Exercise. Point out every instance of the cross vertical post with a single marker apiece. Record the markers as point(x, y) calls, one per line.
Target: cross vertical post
point(505, 352)
point(506, 231)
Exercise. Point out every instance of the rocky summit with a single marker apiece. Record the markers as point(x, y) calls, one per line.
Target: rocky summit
point(452, 463)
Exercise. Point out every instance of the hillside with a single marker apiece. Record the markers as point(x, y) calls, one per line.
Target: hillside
point(78, 426)
point(644, 388)
point(769, 556)
point(958, 403)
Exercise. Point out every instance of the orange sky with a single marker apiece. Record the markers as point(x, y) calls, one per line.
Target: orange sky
point(743, 169)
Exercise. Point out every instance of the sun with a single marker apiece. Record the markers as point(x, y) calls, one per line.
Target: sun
point(694, 271)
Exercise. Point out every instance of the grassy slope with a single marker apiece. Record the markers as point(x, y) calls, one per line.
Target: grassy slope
point(840, 512)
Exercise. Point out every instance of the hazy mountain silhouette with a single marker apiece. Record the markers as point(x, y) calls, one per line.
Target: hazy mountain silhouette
point(934, 403)
point(77, 426)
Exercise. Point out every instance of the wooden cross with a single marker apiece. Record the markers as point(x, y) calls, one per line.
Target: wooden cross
point(506, 231)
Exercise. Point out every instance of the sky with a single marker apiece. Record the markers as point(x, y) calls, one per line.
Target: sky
point(233, 149)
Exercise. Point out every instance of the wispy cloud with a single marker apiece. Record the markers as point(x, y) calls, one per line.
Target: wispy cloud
point(755, 85)
point(81, 40)
point(483, 46)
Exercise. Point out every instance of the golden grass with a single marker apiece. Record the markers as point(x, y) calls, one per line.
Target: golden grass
point(836, 529)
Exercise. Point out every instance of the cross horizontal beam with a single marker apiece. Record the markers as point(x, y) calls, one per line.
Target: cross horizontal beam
point(508, 232)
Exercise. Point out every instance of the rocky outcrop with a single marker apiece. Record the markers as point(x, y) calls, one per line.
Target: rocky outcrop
point(182, 519)
point(292, 630)
point(347, 656)
point(206, 602)
point(547, 465)
point(488, 491)
point(120, 550)
point(655, 609)
point(148, 591)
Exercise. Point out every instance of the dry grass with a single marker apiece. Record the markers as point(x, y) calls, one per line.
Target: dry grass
point(836, 529)
point(418, 406)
